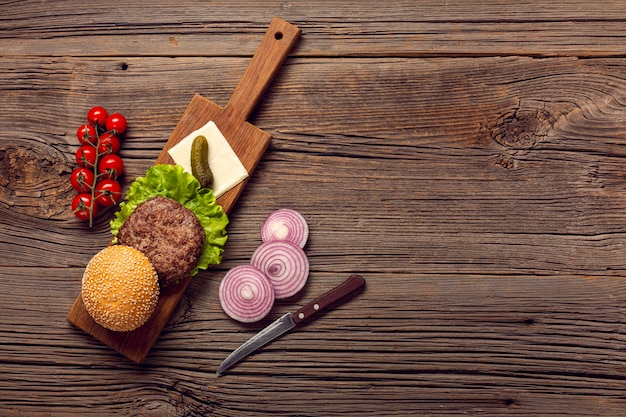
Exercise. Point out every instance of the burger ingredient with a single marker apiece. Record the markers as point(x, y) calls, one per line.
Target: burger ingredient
point(227, 169)
point(200, 161)
point(285, 224)
point(168, 233)
point(109, 143)
point(245, 294)
point(173, 182)
point(285, 264)
point(86, 156)
point(110, 166)
point(279, 259)
point(120, 288)
point(97, 116)
point(84, 206)
point(82, 179)
point(108, 192)
point(98, 162)
point(116, 123)
point(87, 135)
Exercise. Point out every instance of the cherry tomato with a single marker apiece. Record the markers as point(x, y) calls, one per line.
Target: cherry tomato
point(109, 143)
point(111, 166)
point(97, 116)
point(108, 192)
point(86, 156)
point(116, 123)
point(82, 179)
point(86, 134)
point(84, 207)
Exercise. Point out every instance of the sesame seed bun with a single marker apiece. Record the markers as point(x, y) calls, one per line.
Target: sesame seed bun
point(120, 288)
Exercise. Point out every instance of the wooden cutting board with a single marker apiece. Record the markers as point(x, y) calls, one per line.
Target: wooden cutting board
point(248, 142)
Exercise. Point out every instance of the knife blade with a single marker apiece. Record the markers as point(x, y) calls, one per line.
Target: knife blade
point(290, 320)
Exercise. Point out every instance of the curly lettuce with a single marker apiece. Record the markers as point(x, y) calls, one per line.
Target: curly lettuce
point(173, 182)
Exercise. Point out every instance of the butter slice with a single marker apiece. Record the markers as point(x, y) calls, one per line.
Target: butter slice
point(228, 171)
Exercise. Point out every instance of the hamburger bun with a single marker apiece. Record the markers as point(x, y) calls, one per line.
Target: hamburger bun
point(120, 288)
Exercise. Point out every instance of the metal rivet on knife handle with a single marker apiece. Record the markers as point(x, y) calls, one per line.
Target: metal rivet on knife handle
point(353, 283)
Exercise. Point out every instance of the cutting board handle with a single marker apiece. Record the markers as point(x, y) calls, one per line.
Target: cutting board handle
point(278, 41)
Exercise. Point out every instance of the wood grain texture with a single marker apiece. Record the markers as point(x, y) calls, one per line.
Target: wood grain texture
point(348, 28)
point(466, 158)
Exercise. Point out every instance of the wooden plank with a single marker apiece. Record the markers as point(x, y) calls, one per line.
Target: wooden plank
point(495, 276)
point(446, 147)
point(556, 28)
point(457, 340)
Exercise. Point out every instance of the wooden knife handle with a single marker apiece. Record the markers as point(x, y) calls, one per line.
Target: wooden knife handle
point(352, 283)
point(278, 41)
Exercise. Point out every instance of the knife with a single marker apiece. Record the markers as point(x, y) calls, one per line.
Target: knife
point(291, 320)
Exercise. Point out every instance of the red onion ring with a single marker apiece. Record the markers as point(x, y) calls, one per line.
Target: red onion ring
point(246, 294)
point(285, 264)
point(285, 224)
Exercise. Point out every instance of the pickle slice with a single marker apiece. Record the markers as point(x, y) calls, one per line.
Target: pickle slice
point(200, 161)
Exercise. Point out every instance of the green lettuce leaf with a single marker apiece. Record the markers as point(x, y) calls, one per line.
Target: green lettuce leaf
point(173, 182)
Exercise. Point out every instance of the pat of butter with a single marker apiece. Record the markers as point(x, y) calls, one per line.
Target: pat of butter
point(228, 171)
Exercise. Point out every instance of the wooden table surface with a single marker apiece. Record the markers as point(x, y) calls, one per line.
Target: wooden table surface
point(466, 158)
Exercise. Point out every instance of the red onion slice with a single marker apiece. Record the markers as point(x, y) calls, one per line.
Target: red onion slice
point(285, 264)
point(246, 294)
point(285, 224)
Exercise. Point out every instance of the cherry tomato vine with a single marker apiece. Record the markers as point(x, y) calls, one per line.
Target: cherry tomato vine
point(95, 179)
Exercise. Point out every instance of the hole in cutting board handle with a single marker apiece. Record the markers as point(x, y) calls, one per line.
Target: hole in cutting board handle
point(278, 35)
